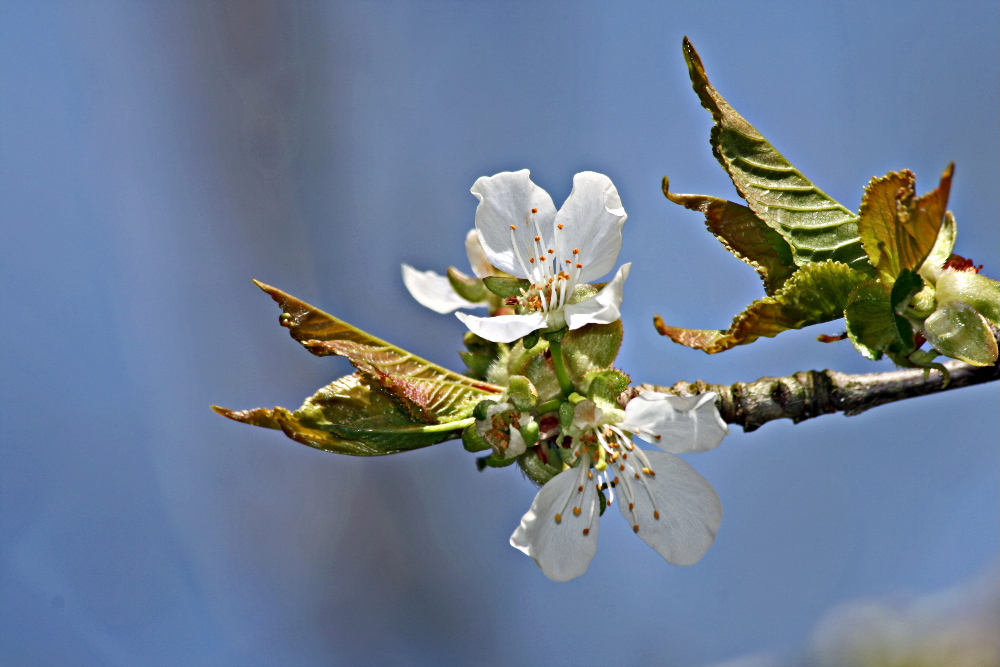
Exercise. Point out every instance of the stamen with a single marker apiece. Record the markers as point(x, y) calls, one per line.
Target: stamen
point(656, 514)
point(576, 251)
point(534, 210)
point(580, 489)
point(635, 528)
point(558, 518)
point(576, 511)
point(514, 227)
point(538, 238)
point(586, 531)
point(560, 226)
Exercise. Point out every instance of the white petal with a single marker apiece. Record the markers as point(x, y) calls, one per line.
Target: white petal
point(434, 291)
point(689, 509)
point(506, 199)
point(603, 307)
point(517, 444)
point(478, 260)
point(561, 548)
point(592, 220)
point(503, 328)
point(684, 424)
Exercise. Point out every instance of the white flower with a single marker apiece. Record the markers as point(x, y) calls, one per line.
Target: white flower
point(523, 235)
point(434, 291)
point(669, 505)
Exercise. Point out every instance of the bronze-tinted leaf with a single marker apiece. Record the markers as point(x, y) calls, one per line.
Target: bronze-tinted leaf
point(744, 234)
point(815, 293)
point(351, 416)
point(429, 392)
point(816, 226)
point(899, 229)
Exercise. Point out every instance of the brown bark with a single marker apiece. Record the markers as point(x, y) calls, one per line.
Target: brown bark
point(809, 394)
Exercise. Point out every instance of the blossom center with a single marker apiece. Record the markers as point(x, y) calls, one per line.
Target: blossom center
point(553, 277)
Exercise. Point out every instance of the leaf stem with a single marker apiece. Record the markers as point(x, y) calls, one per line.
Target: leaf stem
point(560, 364)
point(448, 426)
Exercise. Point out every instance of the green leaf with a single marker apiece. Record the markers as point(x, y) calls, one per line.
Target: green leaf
point(506, 286)
point(816, 226)
point(743, 234)
point(815, 293)
point(904, 289)
point(537, 470)
point(429, 392)
point(957, 330)
point(899, 229)
point(871, 322)
point(351, 416)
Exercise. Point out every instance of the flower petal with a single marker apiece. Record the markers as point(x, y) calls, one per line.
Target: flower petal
point(678, 424)
point(478, 260)
point(561, 539)
point(507, 199)
point(434, 291)
point(592, 220)
point(502, 328)
point(603, 307)
point(689, 509)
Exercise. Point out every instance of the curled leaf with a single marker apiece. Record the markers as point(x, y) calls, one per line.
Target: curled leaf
point(429, 392)
point(815, 293)
point(899, 230)
point(352, 416)
point(744, 234)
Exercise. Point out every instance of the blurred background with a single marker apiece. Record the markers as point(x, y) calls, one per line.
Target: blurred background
point(156, 156)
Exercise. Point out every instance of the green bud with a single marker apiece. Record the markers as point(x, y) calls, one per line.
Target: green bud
point(504, 286)
point(469, 288)
point(480, 411)
point(606, 384)
point(472, 441)
point(978, 291)
point(522, 393)
point(575, 398)
point(922, 304)
point(555, 336)
point(537, 470)
point(957, 330)
point(531, 340)
point(530, 432)
point(493, 461)
point(566, 414)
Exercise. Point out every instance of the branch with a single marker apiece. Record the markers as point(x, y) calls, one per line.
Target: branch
point(810, 394)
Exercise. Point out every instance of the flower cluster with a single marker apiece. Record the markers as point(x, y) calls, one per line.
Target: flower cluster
point(575, 437)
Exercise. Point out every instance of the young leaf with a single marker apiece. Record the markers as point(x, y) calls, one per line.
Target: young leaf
point(815, 293)
point(899, 229)
point(816, 226)
point(349, 416)
point(592, 346)
point(429, 392)
point(871, 322)
point(744, 234)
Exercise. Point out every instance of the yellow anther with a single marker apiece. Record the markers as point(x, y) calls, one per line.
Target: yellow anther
point(531, 259)
point(534, 210)
point(649, 471)
point(579, 266)
point(560, 226)
point(558, 518)
point(538, 238)
point(586, 531)
point(631, 506)
point(576, 511)
point(635, 529)
point(590, 474)
point(656, 514)
point(514, 227)
point(550, 249)
point(580, 489)
point(576, 251)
